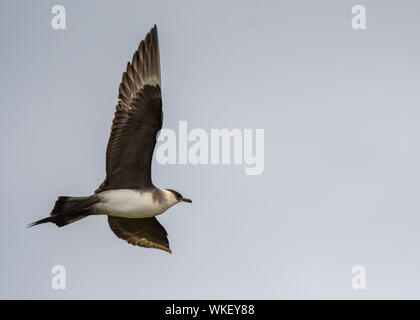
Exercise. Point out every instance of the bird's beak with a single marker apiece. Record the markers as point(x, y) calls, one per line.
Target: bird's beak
point(186, 200)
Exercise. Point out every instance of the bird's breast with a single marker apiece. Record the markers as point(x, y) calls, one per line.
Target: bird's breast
point(130, 203)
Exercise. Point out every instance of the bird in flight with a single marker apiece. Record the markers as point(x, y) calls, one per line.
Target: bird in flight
point(127, 195)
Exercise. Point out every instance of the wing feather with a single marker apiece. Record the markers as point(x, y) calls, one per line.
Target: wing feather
point(145, 232)
point(138, 118)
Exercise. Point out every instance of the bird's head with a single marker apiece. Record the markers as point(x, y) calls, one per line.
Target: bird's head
point(177, 197)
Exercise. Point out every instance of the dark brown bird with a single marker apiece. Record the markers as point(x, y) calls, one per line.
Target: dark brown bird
point(127, 195)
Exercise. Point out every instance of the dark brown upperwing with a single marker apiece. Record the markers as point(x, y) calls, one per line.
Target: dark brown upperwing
point(138, 118)
point(143, 232)
point(132, 141)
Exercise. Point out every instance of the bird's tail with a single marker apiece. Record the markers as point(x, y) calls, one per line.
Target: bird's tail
point(68, 209)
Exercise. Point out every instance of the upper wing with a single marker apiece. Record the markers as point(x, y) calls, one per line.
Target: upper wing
point(138, 119)
point(143, 232)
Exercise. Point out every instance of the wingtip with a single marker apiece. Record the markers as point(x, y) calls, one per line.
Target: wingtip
point(164, 248)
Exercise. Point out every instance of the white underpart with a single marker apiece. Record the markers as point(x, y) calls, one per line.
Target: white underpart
point(129, 203)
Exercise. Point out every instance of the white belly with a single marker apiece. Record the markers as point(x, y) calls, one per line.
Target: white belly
point(129, 203)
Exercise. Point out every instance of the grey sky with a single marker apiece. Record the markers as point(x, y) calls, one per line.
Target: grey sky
point(341, 117)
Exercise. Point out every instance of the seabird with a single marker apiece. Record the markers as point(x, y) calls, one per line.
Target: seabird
point(127, 195)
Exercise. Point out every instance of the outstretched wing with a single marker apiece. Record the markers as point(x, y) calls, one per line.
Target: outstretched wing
point(138, 119)
point(143, 232)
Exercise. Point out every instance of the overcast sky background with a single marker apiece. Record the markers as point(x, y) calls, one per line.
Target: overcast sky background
point(340, 110)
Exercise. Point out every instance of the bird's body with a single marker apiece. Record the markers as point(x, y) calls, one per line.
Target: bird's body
point(132, 203)
point(127, 195)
